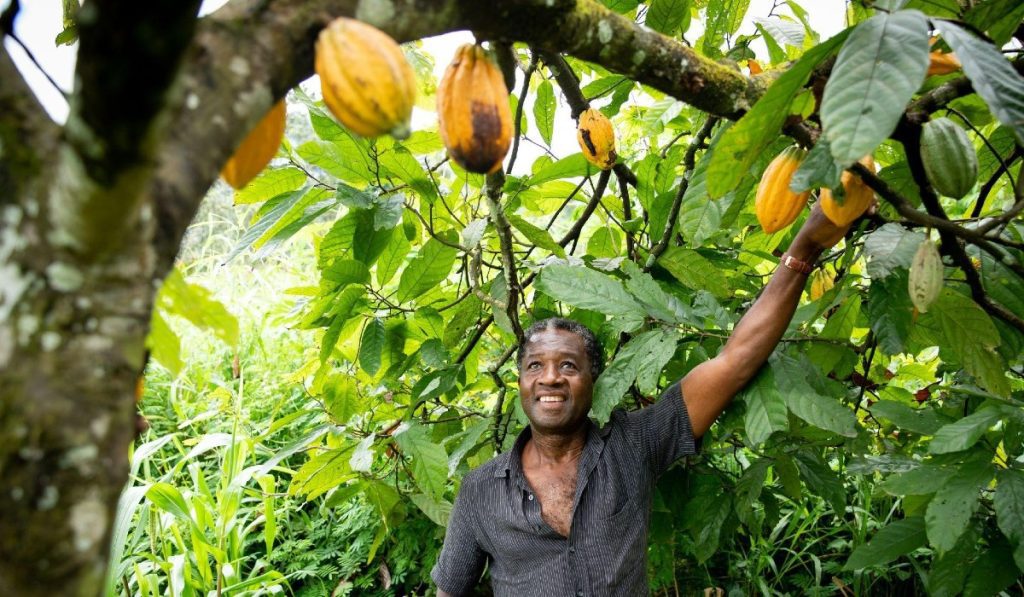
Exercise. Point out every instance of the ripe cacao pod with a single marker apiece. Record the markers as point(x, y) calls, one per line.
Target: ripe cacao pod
point(925, 282)
point(950, 162)
point(257, 149)
point(473, 109)
point(596, 138)
point(856, 201)
point(821, 282)
point(366, 81)
point(942, 63)
point(777, 206)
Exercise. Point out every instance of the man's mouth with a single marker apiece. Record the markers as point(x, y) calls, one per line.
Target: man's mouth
point(551, 398)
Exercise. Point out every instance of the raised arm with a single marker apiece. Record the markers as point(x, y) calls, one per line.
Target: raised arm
point(710, 386)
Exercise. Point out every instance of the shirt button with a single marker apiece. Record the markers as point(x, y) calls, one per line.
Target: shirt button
point(572, 550)
point(531, 497)
point(579, 593)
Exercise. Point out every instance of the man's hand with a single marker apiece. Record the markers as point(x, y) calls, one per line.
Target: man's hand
point(709, 387)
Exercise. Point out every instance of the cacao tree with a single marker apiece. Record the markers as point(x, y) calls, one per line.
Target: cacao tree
point(427, 274)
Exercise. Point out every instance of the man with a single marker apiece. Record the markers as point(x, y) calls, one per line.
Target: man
point(566, 511)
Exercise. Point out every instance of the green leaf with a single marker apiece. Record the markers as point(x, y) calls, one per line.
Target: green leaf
point(925, 479)
point(748, 488)
point(694, 271)
point(599, 87)
point(436, 510)
point(321, 473)
point(922, 421)
point(401, 164)
point(196, 304)
point(892, 541)
point(371, 346)
point(765, 408)
point(951, 509)
point(1009, 503)
point(421, 142)
point(659, 304)
point(803, 401)
point(667, 16)
point(167, 497)
point(536, 235)
point(699, 218)
point(621, 6)
point(163, 344)
point(429, 267)
point(588, 289)
point(965, 334)
point(342, 158)
point(947, 9)
point(821, 479)
point(819, 169)
point(878, 70)
point(343, 272)
point(429, 460)
point(993, 571)
point(642, 357)
point(605, 243)
point(723, 18)
point(964, 433)
point(746, 140)
point(782, 31)
point(270, 183)
point(568, 167)
point(890, 311)
point(341, 398)
point(998, 18)
point(544, 110)
point(991, 74)
point(392, 258)
point(889, 248)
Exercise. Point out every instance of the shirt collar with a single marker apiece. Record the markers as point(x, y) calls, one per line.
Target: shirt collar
point(510, 463)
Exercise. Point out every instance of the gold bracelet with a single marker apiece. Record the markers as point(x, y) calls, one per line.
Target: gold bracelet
point(796, 265)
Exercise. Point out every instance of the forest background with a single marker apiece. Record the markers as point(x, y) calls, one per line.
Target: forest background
point(332, 350)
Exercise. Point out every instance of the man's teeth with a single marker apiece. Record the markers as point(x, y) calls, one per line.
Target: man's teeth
point(552, 399)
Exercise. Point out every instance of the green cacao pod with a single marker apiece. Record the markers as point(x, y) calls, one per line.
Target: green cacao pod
point(925, 276)
point(949, 159)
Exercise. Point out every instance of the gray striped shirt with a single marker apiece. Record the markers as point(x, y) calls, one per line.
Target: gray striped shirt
point(497, 520)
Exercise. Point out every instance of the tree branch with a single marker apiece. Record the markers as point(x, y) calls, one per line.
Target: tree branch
point(495, 182)
point(27, 135)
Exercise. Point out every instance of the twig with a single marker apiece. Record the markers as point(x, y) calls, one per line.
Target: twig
point(991, 183)
point(626, 215)
point(689, 163)
point(528, 74)
point(495, 182)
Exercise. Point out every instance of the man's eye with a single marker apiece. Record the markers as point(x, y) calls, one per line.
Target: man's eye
point(569, 365)
point(533, 366)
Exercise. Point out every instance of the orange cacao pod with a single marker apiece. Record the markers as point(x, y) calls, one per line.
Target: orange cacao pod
point(257, 149)
point(367, 83)
point(777, 206)
point(596, 138)
point(473, 110)
point(856, 201)
point(821, 282)
point(942, 63)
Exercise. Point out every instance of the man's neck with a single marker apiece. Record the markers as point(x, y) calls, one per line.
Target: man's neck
point(554, 449)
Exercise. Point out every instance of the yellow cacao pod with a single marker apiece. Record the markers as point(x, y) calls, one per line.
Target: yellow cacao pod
point(821, 282)
point(942, 63)
point(257, 149)
point(473, 110)
point(596, 138)
point(367, 83)
point(856, 201)
point(777, 206)
point(925, 281)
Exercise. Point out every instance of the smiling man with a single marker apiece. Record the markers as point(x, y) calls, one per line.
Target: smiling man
point(566, 510)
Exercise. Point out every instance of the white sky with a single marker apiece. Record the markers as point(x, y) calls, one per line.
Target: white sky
point(39, 22)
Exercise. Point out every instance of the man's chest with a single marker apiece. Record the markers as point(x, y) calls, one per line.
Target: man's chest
point(555, 490)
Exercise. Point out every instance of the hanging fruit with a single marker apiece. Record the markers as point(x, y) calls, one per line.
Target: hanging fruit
point(257, 149)
point(777, 206)
point(925, 281)
point(821, 282)
point(950, 162)
point(596, 138)
point(367, 83)
point(473, 109)
point(856, 200)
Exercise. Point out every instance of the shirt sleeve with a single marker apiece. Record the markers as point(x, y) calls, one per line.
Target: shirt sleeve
point(462, 560)
point(662, 431)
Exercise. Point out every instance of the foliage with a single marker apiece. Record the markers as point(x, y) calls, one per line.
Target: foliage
point(879, 451)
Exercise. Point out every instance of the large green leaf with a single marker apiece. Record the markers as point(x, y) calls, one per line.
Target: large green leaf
point(641, 359)
point(925, 479)
point(765, 408)
point(196, 304)
point(567, 167)
point(401, 164)
point(536, 235)
point(821, 479)
point(951, 509)
point(429, 267)
point(964, 433)
point(270, 183)
point(892, 541)
point(694, 271)
point(667, 16)
point(1009, 503)
point(889, 248)
point(371, 346)
point(746, 140)
point(923, 421)
point(890, 311)
point(436, 510)
point(878, 70)
point(588, 289)
point(991, 74)
point(163, 344)
point(429, 460)
point(993, 571)
point(322, 473)
point(998, 18)
point(805, 402)
point(544, 110)
point(723, 18)
point(966, 335)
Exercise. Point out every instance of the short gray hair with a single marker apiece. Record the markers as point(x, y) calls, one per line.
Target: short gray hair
point(592, 346)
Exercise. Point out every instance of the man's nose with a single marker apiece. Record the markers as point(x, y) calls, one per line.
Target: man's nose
point(551, 375)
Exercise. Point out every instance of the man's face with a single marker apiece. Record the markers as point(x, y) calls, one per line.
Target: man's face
point(555, 384)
